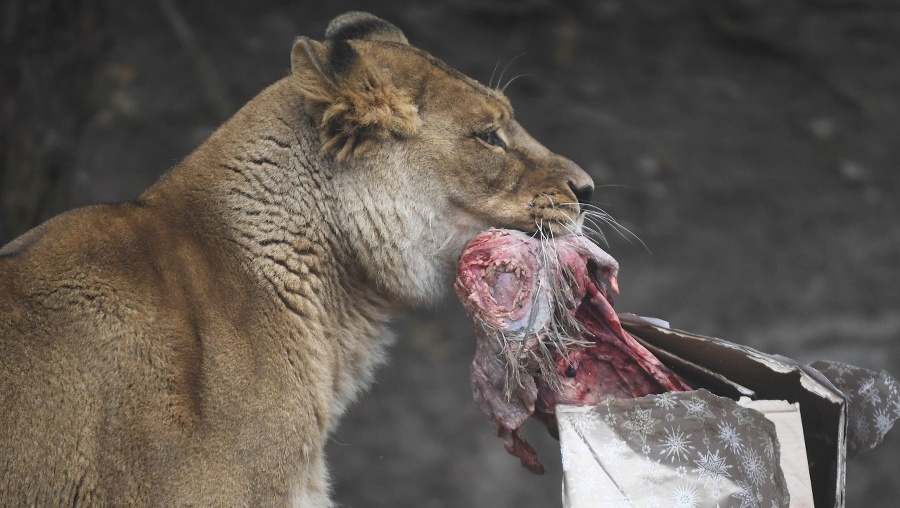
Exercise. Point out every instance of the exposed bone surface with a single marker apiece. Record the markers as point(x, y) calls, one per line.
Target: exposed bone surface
point(547, 332)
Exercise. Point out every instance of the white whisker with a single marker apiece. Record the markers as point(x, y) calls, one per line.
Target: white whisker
point(596, 216)
point(500, 79)
point(511, 81)
point(491, 81)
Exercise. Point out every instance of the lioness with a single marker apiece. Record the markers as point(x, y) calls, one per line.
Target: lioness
point(196, 346)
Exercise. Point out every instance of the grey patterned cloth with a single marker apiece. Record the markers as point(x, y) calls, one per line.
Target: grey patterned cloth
point(679, 449)
point(696, 449)
point(873, 403)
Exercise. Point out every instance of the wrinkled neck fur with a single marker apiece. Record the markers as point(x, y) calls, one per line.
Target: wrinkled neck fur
point(263, 184)
point(302, 221)
point(262, 190)
point(399, 236)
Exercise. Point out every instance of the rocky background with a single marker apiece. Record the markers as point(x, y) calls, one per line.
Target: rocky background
point(751, 146)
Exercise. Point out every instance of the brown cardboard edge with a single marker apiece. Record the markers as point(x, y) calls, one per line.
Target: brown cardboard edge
point(823, 408)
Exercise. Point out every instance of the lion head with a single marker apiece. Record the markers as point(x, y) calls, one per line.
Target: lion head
point(441, 156)
point(374, 94)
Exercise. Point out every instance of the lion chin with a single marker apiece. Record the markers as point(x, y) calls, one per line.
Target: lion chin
point(196, 346)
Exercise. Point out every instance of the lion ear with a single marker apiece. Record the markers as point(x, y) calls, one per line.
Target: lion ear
point(353, 103)
point(363, 26)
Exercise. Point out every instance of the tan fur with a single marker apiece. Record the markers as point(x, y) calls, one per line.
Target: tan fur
point(196, 346)
point(355, 109)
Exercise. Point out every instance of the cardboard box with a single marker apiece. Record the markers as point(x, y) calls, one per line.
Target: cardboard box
point(809, 405)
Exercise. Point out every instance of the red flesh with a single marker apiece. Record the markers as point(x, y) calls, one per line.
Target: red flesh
point(503, 282)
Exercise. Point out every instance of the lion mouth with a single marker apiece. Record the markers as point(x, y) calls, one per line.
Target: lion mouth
point(547, 332)
point(509, 275)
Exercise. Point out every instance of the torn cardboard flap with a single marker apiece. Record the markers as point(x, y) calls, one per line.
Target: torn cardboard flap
point(844, 410)
point(822, 408)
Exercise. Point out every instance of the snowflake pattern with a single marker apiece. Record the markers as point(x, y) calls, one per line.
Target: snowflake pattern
point(835, 369)
point(868, 391)
point(883, 421)
point(740, 415)
point(676, 445)
point(873, 403)
point(692, 449)
point(697, 408)
point(712, 468)
point(747, 495)
point(686, 495)
point(666, 400)
point(640, 422)
point(653, 473)
point(753, 467)
point(769, 448)
point(729, 436)
point(583, 421)
point(613, 452)
point(669, 454)
point(584, 484)
point(859, 422)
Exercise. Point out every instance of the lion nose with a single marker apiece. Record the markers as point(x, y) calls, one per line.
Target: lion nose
point(582, 194)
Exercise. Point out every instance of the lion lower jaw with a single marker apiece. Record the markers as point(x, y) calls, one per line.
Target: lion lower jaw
point(405, 246)
point(411, 272)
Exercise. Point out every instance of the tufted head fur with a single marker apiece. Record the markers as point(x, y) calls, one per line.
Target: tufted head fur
point(353, 101)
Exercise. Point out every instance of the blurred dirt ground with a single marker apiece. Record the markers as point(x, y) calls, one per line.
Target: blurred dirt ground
point(751, 145)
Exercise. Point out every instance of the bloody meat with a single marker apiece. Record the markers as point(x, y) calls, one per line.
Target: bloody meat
point(547, 333)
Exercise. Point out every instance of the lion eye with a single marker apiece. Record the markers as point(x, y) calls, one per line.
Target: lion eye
point(491, 138)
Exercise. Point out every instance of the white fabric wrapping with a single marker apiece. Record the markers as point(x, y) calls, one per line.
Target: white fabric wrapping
point(786, 417)
point(680, 450)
